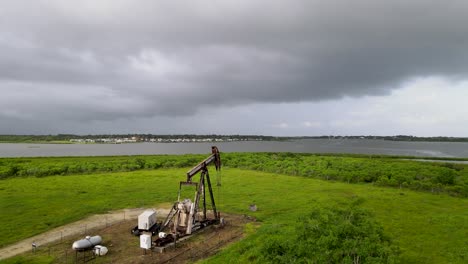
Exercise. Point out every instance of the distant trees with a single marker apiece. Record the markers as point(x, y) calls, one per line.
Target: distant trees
point(138, 137)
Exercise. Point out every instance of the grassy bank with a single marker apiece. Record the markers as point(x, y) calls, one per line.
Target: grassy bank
point(434, 177)
point(428, 228)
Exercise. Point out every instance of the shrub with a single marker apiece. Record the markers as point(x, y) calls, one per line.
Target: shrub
point(333, 235)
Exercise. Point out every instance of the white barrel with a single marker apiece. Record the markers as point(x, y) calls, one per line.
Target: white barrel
point(100, 250)
point(88, 242)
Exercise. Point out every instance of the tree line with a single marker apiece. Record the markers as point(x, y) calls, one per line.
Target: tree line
point(437, 177)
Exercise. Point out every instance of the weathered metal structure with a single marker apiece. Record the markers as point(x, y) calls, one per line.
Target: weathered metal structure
point(185, 216)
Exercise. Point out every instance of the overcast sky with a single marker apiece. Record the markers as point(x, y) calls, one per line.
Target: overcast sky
point(287, 67)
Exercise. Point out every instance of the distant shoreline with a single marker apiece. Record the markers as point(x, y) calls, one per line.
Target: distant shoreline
point(191, 138)
point(323, 146)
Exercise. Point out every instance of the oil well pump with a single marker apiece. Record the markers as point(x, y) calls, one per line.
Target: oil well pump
point(185, 216)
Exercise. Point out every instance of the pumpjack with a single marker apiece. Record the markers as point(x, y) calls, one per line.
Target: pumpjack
point(184, 218)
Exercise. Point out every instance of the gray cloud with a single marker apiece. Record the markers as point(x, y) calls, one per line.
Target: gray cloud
point(109, 60)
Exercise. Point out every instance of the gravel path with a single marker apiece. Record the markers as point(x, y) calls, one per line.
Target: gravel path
point(79, 227)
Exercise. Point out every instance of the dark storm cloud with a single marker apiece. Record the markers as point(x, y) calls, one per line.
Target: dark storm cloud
point(105, 60)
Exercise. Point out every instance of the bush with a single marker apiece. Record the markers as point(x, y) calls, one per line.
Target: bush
point(383, 171)
point(333, 235)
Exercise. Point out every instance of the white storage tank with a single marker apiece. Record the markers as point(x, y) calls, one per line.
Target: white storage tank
point(145, 241)
point(146, 219)
point(86, 243)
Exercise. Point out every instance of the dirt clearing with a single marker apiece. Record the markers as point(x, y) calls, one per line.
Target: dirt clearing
point(72, 229)
point(114, 228)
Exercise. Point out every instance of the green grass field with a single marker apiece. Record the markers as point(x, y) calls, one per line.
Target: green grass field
point(428, 228)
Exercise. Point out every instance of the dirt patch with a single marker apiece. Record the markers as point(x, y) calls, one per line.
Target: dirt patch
point(125, 248)
point(64, 232)
point(201, 245)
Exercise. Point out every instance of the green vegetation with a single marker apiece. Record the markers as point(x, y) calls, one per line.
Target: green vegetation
point(346, 234)
point(427, 228)
point(31, 259)
point(33, 205)
point(38, 194)
point(435, 177)
point(35, 138)
point(419, 223)
point(41, 167)
point(380, 170)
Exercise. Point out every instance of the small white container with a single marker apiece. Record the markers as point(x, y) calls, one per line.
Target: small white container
point(145, 241)
point(146, 220)
point(100, 250)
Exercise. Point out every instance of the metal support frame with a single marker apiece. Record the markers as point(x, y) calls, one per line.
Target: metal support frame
point(174, 215)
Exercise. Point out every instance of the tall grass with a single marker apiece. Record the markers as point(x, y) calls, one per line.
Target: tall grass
point(435, 177)
point(428, 228)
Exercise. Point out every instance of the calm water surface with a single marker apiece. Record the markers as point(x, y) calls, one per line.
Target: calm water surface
point(359, 146)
